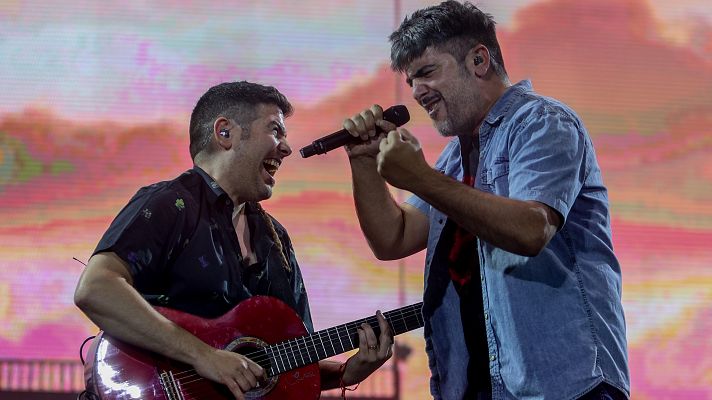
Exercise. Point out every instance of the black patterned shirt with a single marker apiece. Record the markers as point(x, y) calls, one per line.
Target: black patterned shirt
point(179, 242)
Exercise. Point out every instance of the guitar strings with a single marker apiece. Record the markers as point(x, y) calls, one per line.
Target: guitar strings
point(327, 335)
point(288, 349)
point(394, 321)
point(182, 380)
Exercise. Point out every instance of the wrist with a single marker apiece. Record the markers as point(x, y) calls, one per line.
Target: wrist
point(423, 178)
point(345, 379)
point(362, 159)
point(199, 351)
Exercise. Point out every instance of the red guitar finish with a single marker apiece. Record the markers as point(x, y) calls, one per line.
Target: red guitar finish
point(262, 328)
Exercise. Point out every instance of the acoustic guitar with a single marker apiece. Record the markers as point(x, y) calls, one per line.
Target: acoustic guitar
point(262, 328)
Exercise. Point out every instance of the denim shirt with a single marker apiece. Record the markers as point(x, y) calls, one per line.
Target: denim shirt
point(554, 323)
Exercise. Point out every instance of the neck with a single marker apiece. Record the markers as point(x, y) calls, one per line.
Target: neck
point(238, 209)
point(219, 173)
point(491, 93)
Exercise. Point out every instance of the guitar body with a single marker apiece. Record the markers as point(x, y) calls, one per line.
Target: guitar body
point(119, 371)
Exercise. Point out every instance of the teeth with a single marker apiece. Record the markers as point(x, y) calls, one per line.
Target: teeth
point(272, 162)
point(271, 165)
point(430, 104)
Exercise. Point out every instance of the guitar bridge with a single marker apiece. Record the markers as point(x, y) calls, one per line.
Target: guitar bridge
point(170, 386)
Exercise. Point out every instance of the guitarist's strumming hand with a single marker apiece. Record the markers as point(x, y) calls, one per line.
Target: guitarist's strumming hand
point(233, 370)
point(372, 352)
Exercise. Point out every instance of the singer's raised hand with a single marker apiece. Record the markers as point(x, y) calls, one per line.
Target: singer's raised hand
point(400, 160)
point(366, 125)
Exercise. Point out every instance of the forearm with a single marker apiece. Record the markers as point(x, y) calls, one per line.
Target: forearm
point(330, 373)
point(118, 309)
point(380, 217)
point(521, 227)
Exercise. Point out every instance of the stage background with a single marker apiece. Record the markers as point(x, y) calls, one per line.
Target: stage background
point(95, 99)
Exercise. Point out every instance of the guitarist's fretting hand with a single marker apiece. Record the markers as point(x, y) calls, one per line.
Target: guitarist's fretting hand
point(372, 352)
point(233, 370)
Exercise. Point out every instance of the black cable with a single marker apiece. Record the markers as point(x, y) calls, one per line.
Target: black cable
point(87, 395)
point(79, 261)
point(81, 348)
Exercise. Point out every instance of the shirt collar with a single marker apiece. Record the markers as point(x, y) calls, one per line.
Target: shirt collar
point(502, 106)
point(216, 193)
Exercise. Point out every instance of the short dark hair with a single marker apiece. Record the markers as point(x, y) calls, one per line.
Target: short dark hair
point(450, 26)
point(234, 100)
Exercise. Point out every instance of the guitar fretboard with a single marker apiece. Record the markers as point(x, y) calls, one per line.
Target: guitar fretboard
point(304, 350)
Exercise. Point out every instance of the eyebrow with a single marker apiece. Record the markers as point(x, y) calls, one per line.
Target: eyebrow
point(280, 128)
point(417, 74)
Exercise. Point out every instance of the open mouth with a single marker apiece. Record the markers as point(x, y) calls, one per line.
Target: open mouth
point(430, 105)
point(271, 165)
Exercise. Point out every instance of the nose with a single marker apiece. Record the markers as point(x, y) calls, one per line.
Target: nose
point(284, 149)
point(419, 90)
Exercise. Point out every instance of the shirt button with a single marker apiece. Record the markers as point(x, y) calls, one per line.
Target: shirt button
point(493, 357)
point(486, 315)
point(482, 278)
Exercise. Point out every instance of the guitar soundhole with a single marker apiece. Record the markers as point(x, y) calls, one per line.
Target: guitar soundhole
point(253, 348)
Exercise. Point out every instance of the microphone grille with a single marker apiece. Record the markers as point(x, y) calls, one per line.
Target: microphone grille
point(397, 114)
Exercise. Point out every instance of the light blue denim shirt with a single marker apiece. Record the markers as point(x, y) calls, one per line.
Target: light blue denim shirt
point(554, 323)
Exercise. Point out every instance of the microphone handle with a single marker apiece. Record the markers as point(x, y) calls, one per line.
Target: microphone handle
point(396, 114)
point(330, 142)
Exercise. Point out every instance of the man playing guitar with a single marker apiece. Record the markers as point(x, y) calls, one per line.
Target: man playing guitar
point(201, 244)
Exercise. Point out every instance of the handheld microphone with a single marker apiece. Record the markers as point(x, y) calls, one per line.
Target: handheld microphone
point(397, 114)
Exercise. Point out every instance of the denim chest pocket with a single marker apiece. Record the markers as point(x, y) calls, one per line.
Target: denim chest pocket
point(495, 178)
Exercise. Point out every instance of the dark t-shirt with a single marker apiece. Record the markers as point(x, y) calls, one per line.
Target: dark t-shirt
point(471, 308)
point(457, 249)
point(179, 242)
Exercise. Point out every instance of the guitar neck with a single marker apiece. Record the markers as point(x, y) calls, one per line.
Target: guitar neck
point(305, 350)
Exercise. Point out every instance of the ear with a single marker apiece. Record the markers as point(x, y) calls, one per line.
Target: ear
point(223, 124)
point(477, 60)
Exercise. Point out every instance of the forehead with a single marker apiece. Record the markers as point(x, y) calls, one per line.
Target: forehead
point(430, 56)
point(267, 113)
point(264, 110)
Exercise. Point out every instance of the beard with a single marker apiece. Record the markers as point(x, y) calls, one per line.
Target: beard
point(248, 174)
point(462, 115)
point(460, 119)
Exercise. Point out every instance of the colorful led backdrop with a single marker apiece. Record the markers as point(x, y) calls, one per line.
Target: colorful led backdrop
point(95, 99)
